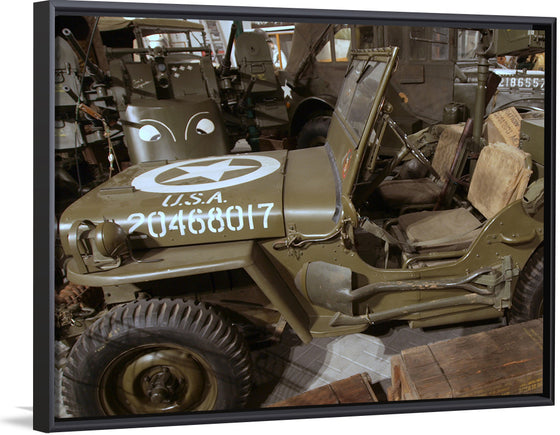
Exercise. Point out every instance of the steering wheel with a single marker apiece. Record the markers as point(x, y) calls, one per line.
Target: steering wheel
point(408, 146)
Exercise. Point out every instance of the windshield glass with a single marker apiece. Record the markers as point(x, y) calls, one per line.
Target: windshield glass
point(174, 40)
point(357, 92)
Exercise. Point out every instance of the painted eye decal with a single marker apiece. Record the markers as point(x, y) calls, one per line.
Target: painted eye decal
point(149, 133)
point(205, 126)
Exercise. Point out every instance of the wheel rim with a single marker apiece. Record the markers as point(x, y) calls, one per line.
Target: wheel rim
point(160, 378)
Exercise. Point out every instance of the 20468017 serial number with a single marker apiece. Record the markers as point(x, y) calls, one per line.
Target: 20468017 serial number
point(196, 221)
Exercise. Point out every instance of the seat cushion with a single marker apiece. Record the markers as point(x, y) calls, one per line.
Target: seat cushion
point(447, 230)
point(400, 193)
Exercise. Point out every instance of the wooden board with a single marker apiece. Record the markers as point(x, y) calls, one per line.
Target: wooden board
point(504, 361)
point(355, 389)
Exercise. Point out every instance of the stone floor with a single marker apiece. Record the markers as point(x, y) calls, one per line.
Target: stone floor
point(290, 367)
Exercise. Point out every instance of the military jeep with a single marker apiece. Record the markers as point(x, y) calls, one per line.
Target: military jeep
point(195, 256)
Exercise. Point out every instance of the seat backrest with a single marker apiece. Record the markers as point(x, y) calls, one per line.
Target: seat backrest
point(500, 177)
point(446, 149)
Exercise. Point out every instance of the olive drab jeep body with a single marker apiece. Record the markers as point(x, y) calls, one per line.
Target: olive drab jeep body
point(268, 237)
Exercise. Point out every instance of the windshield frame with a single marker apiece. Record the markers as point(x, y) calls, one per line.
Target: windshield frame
point(348, 145)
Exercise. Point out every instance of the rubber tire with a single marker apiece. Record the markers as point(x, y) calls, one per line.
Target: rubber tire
point(528, 296)
point(193, 325)
point(314, 132)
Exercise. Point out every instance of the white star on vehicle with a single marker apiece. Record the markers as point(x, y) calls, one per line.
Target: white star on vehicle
point(214, 171)
point(287, 90)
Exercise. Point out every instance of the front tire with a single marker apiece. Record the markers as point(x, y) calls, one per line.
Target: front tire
point(528, 298)
point(157, 356)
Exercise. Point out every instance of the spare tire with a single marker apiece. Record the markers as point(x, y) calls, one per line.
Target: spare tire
point(314, 132)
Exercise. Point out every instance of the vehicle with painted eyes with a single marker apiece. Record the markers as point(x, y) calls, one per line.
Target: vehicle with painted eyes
point(160, 90)
point(194, 261)
point(175, 104)
point(157, 92)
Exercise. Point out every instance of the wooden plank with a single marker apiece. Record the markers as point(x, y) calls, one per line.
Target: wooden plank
point(499, 362)
point(504, 361)
point(395, 390)
point(355, 389)
point(424, 375)
point(401, 386)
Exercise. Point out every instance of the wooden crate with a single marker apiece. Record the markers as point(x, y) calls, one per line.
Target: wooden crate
point(355, 389)
point(504, 361)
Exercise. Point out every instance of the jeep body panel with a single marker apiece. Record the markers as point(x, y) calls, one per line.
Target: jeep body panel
point(512, 234)
point(189, 202)
point(192, 260)
point(311, 201)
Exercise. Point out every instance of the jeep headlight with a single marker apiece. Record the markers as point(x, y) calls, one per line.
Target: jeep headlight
point(110, 239)
point(95, 247)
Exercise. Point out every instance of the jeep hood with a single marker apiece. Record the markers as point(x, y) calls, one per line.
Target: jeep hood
point(206, 200)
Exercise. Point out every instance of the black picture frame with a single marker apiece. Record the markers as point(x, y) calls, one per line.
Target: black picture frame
point(43, 216)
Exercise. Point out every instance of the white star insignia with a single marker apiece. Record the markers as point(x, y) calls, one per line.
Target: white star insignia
point(287, 90)
point(214, 171)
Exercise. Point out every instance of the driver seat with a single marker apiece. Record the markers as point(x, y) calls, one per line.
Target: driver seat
point(500, 177)
point(423, 191)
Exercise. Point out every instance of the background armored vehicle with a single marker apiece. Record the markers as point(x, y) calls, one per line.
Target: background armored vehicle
point(436, 81)
point(159, 84)
point(179, 263)
point(248, 96)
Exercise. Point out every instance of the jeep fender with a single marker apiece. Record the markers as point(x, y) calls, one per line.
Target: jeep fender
point(181, 261)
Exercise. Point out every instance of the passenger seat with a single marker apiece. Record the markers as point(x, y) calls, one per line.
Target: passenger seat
point(500, 177)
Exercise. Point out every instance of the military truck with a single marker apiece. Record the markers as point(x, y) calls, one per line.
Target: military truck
point(181, 262)
point(436, 81)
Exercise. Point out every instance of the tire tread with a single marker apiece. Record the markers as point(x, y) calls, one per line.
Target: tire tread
point(529, 290)
point(182, 314)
